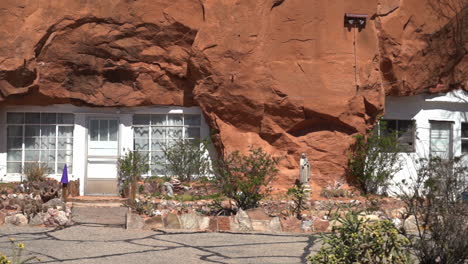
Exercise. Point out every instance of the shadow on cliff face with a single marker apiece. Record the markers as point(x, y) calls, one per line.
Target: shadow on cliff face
point(109, 63)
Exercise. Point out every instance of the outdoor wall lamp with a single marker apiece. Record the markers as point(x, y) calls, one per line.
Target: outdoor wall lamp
point(355, 20)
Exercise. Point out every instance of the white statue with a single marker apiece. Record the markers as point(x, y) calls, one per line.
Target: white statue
point(304, 171)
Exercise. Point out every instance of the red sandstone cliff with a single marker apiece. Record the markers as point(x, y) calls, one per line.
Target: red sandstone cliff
point(282, 74)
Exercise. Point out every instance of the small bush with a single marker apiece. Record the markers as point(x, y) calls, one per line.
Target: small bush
point(360, 241)
point(36, 171)
point(374, 161)
point(440, 214)
point(187, 159)
point(131, 166)
point(241, 177)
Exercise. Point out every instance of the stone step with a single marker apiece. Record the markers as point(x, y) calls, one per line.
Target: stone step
point(115, 216)
point(97, 199)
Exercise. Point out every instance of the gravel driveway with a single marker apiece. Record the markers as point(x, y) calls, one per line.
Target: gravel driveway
point(105, 244)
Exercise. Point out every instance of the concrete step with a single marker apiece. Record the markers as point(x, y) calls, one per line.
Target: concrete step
point(101, 210)
point(114, 216)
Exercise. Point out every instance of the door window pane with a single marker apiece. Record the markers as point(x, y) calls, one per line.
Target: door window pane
point(440, 139)
point(103, 130)
point(113, 130)
point(94, 130)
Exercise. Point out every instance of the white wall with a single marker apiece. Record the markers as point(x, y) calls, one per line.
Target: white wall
point(423, 108)
point(80, 133)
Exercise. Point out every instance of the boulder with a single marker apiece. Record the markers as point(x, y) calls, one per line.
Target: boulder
point(2, 217)
point(260, 225)
point(257, 214)
point(55, 203)
point(204, 222)
point(409, 224)
point(17, 219)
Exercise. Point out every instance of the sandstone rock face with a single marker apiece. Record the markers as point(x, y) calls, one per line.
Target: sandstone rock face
point(284, 75)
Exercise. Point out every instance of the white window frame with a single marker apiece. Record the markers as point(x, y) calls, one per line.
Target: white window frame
point(23, 137)
point(413, 136)
point(463, 139)
point(166, 127)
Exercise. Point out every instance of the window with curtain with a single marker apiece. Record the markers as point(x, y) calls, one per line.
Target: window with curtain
point(464, 137)
point(152, 131)
point(39, 137)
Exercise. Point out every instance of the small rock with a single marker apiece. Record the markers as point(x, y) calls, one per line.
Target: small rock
point(20, 196)
point(321, 225)
point(290, 224)
point(54, 203)
point(61, 218)
point(171, 221)
point(134, 221)
point(397, 222)
point(204, 222)
point(257, 214)
point(243, 219)
point(260, 225)
point(409, 224)
point(275, 224)
point(306, 225)
point(189, 221)
point(2, 217)
point(154, 223)
point(36, 220)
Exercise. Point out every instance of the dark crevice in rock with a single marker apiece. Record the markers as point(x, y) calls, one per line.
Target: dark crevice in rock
point(120, 75)
point(21, 77)
point(315, 122)
point(277, 3)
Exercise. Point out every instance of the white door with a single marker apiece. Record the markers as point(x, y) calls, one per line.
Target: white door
point(103, 153)
point(441, 139)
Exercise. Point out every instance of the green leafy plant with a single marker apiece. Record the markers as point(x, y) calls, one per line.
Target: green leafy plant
point(358, 240)
point(16, 254)
point(131, 166)
point(299, 196)
point(434, 199)
point(36, 171)
point(374, 161)
point(241, 177)
point(186, 159)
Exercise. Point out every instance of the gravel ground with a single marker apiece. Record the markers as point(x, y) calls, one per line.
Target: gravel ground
point(88, 243)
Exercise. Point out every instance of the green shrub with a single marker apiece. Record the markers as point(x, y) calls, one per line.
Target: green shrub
point(241, 177)
point(374, 161)
point(359, 241)
point(187, 159)
point(131, 166)
point(298, 196)
point(440, 214)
